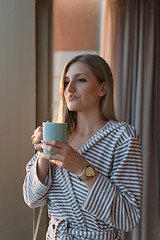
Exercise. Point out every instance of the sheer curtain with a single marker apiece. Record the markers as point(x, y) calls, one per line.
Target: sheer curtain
point(130, 44)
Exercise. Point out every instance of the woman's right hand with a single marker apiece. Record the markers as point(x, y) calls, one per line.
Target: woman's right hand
point(36, 139)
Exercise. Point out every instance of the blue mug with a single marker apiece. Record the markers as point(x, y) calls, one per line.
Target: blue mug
point(54, 131)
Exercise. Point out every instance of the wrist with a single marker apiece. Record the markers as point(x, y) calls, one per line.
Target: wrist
point(42, 168)
point(42, 161)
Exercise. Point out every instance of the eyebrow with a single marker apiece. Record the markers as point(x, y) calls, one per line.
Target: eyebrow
point(76, 75)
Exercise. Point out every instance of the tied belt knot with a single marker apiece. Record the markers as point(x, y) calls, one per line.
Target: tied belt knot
point(62, 231)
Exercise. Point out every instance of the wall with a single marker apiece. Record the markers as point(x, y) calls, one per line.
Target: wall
point(17, 113)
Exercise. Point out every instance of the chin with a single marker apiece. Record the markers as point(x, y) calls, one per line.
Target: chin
point(73, 108)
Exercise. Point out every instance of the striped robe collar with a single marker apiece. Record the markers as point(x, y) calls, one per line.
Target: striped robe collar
point(102, 133)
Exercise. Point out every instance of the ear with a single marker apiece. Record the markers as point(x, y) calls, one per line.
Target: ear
point(103, 89)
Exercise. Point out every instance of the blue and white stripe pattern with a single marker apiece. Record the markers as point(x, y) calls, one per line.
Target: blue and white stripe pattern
point(113, 204)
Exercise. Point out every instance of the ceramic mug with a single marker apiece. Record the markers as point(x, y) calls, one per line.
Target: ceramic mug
point(54, 131)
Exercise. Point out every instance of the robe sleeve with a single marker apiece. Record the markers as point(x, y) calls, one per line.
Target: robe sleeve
point(117, 200)
point(34, 191)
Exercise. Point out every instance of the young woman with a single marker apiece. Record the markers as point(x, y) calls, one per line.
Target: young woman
point(96, 188)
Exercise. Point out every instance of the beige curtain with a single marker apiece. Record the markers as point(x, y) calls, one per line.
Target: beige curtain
point(130, 44)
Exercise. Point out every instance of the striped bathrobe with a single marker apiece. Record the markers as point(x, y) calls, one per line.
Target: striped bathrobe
point(114, 202)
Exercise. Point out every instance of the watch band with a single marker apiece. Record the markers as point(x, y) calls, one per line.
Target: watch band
point(82, 176)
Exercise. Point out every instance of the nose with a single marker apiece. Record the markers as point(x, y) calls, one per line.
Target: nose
point(71, 87)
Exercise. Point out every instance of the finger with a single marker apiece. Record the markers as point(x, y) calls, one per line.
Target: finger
point(55, 143)
point(58, 163)
point(51, 148)
point(38, 147)
point(37, 138)
point(38, 129)
point(36, 141)
point(38, 134)
point(50, 157)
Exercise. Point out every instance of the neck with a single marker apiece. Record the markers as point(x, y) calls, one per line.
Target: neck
point(87, 124)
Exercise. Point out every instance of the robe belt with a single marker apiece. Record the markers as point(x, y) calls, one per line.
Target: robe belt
point(63, 231)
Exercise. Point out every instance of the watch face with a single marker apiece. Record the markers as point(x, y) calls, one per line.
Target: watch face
point(90, 172)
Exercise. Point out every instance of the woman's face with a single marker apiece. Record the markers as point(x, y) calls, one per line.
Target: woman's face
point(82, 91)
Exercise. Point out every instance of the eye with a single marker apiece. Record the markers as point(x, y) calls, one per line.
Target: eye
point(66, 83)
point(81, 80)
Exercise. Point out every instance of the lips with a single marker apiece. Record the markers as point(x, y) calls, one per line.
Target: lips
point(71, 97)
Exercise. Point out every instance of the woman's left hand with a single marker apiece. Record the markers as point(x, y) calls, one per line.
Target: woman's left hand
point(65, 156)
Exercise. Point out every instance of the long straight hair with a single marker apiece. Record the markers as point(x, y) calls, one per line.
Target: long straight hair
point(101, 70)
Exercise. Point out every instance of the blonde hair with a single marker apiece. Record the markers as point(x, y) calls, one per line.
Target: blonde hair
point(102, 72)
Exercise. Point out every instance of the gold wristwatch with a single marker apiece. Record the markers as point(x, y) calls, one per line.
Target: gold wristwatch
point(87, 172)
